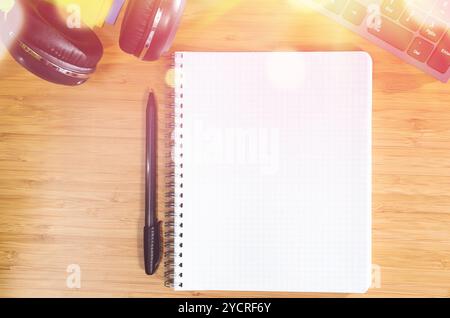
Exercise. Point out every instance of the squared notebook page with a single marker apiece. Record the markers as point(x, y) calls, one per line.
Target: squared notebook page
point(276, 171)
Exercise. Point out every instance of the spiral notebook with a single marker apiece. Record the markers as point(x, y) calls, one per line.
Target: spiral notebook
point(271, 189)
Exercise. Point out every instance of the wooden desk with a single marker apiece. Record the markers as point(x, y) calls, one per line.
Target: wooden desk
point(71, 160)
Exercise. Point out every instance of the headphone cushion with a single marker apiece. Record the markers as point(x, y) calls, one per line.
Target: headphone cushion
point(46, 30)
point(138, 20)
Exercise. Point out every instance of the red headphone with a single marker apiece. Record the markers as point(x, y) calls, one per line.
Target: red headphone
point(47, 47)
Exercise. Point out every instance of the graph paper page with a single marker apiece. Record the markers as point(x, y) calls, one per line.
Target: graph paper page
point(274, 159)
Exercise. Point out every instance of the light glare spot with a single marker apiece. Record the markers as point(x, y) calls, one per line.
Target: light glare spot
point(6, 6)
point(14, 14)
point(299, 4)
point(286, 70)
point(170, 78)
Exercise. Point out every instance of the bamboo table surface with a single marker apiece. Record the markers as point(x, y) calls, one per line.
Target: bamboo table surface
point(71, 160)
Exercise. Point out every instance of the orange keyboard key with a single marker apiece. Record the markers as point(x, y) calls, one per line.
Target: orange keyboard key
point(420, 49)
point(433, 29)
point(393, 8)
point(355, 12)
point(440, 60)
point(392, 33)
point(412, 19)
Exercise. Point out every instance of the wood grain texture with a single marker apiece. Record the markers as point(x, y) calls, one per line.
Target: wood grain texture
point(71, 160)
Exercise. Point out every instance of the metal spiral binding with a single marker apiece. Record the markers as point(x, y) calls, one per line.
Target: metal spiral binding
point(173, 225)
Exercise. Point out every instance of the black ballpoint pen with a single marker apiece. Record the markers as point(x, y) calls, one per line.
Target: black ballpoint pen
point(152, 229)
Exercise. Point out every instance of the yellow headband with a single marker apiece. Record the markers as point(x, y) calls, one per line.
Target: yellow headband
point(92, 13)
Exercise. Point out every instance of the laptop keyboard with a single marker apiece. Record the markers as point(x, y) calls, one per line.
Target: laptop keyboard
point(417, 31)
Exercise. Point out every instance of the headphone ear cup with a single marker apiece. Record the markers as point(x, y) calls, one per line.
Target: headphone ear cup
point(136, 25)
point(47, 47)
point(149, 27)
